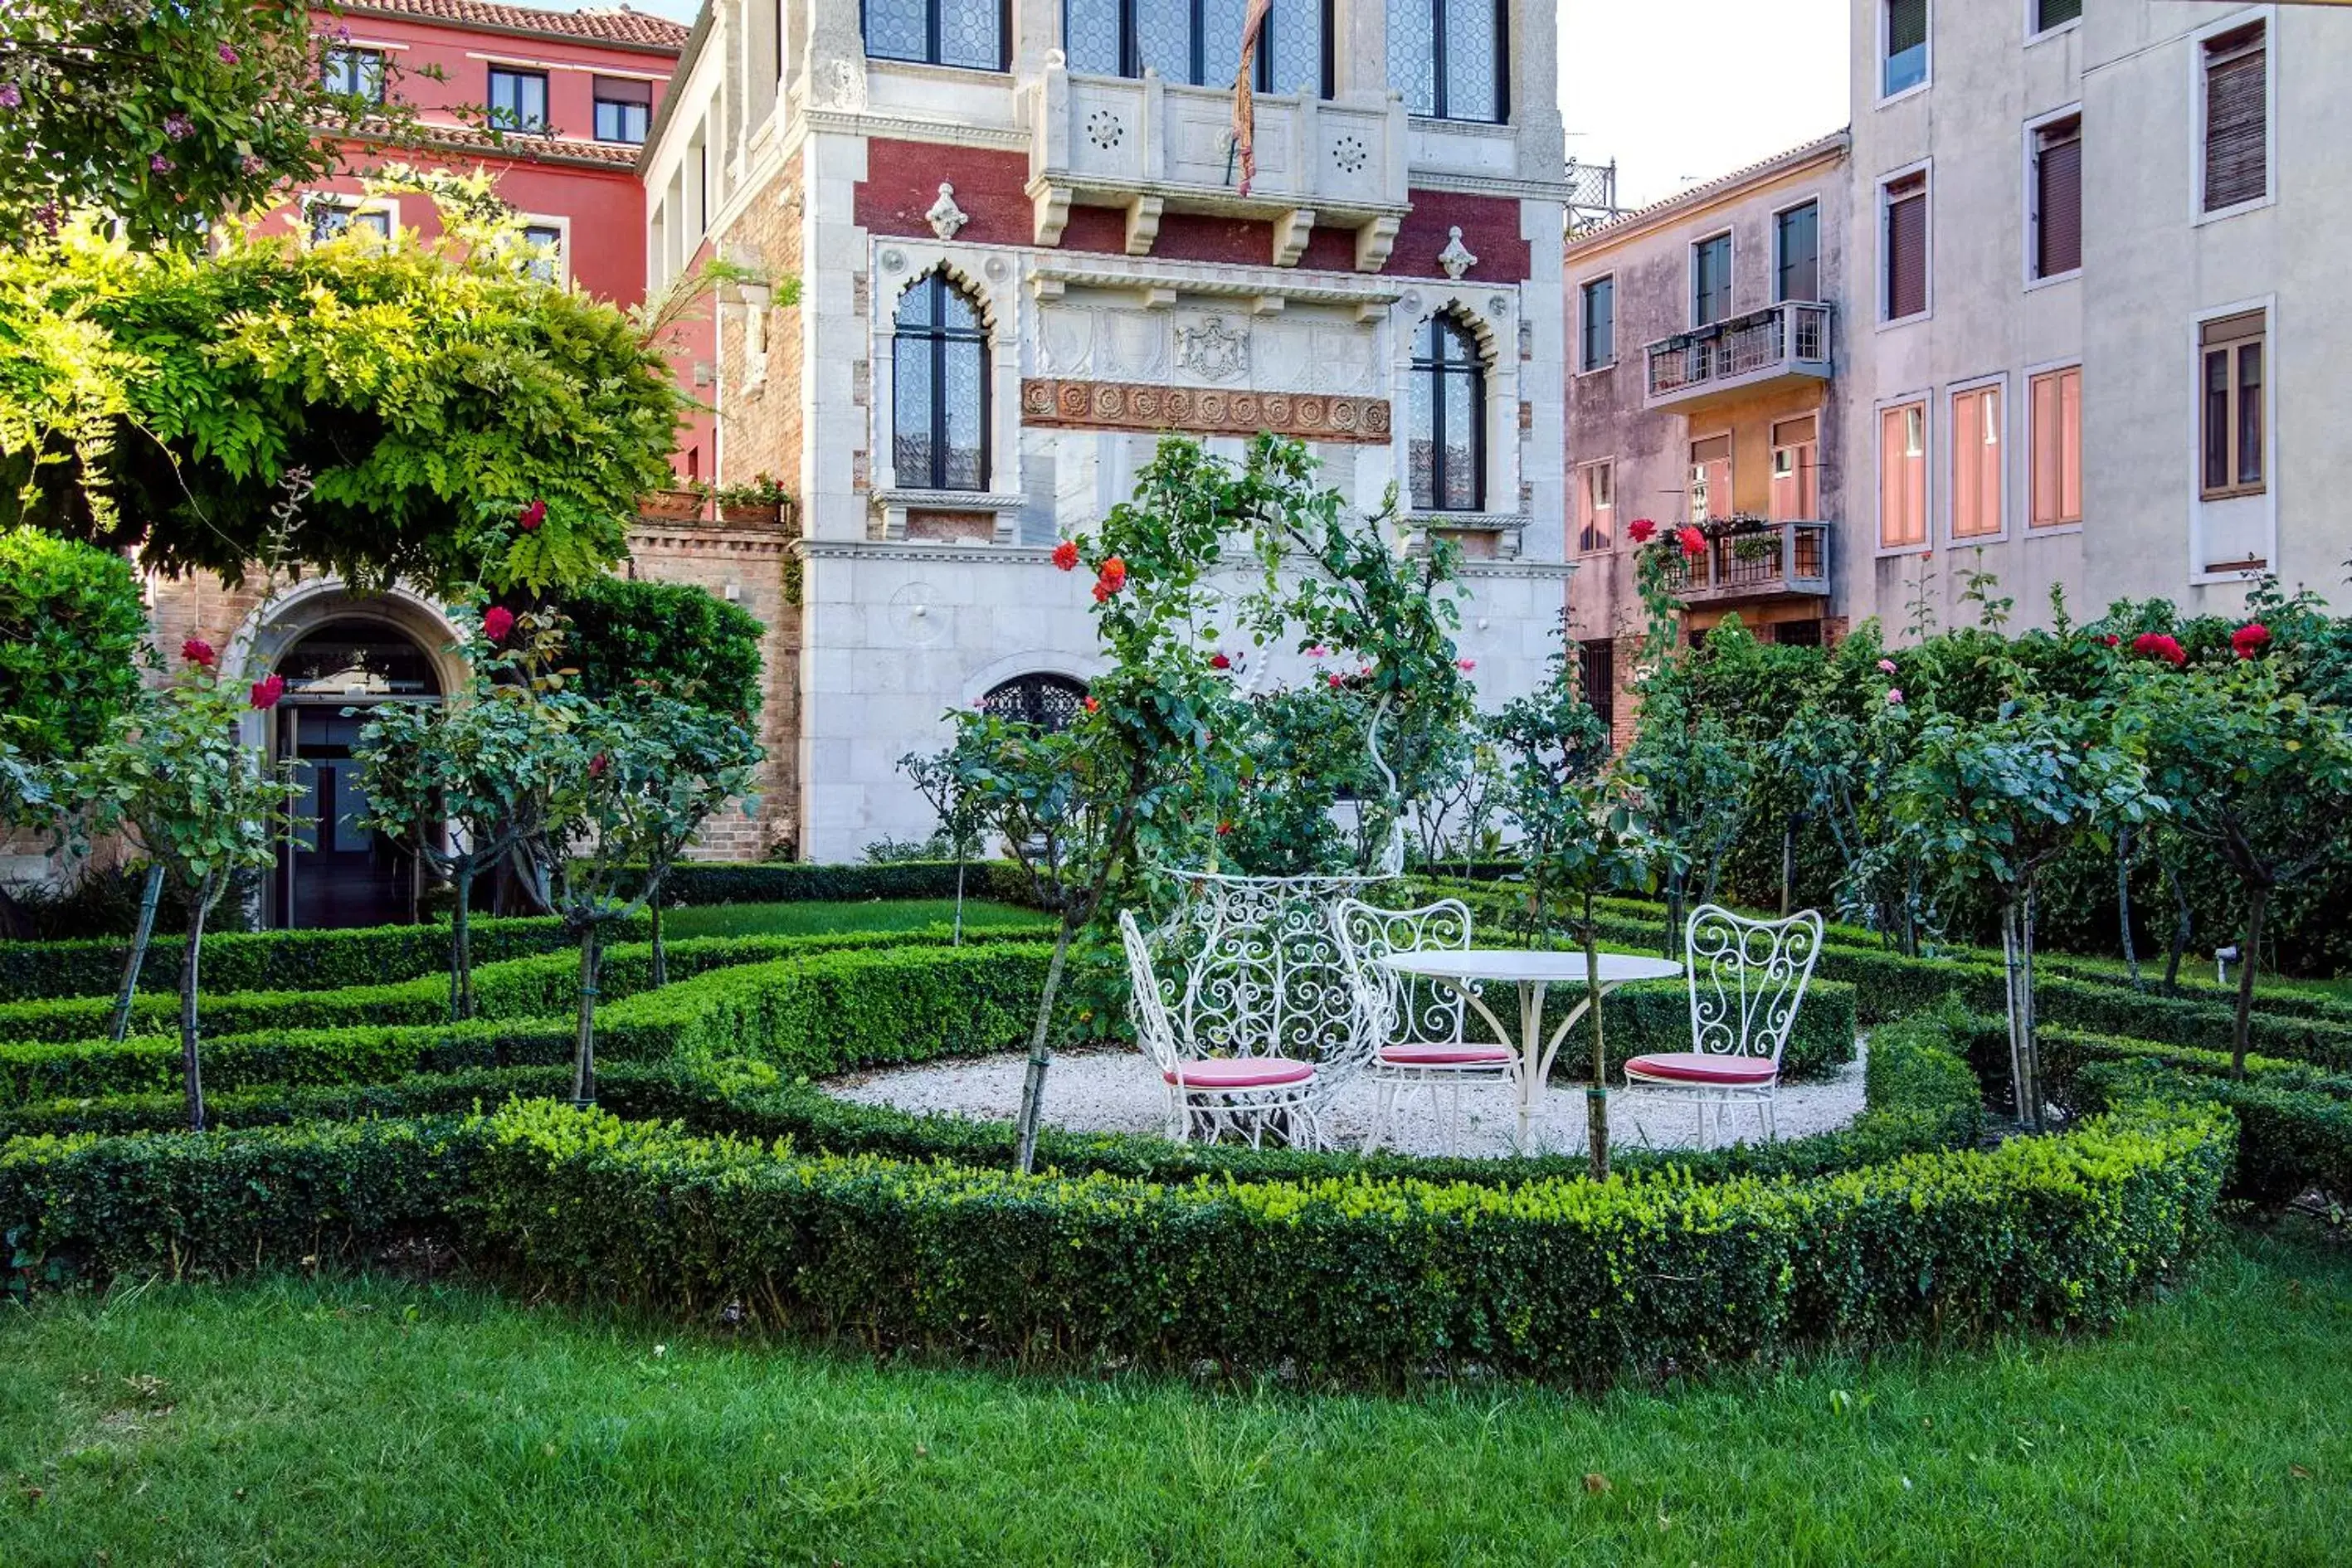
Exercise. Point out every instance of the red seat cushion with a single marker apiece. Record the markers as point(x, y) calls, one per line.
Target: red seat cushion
point(1447, 1056)
point(1240, 1072)
point(1690, 1066)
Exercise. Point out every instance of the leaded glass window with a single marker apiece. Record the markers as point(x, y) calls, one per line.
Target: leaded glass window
point(966, 33)
point(1446, 439)
point(1448, 57)
point(939, 389)
point(1199, 41)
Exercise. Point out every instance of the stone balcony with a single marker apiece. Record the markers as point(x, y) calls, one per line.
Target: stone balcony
point(1780, 344)
point(1146, 146)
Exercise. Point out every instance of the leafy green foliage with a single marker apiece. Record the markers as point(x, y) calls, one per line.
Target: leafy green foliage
point(458, 419)
point(72, 629)
point(625, 631)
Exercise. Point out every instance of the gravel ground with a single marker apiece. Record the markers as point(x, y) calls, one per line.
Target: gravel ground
point(1114, 1091)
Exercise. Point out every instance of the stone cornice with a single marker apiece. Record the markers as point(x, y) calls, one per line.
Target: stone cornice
point(1421, 179)
point(896, 549)
point(1553, 570)
point(913, 128)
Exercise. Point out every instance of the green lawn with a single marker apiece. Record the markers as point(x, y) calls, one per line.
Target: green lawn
point(290, 1421)
point(810, 918)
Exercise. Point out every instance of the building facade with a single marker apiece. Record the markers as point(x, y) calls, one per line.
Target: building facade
point(1022, 252)
point(1706, 339)
point(2099, 257)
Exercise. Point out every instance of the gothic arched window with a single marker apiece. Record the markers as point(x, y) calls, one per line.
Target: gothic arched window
point(1049, 702)
point(940, 389)
point(1446, 439)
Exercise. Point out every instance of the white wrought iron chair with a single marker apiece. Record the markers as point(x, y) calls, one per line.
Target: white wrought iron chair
point(1213, 1095)
point(1417, 1024)
point(1746, 979)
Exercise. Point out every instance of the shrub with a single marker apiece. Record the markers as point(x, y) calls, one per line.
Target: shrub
point(795, 881)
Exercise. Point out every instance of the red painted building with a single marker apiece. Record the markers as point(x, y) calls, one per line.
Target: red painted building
point(572, 94)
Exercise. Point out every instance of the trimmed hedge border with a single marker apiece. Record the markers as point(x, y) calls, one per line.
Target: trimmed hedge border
point(1352, 1278)
point(801, 881)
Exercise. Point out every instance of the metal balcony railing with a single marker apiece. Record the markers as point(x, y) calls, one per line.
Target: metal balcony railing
point(1783, 558)
point(1788, 339)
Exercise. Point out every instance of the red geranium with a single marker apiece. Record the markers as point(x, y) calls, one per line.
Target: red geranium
point(1065, 555)
point(2160, 644)
point(497, 622)
point(1641, 531)
point(199, 652)
point(267, 691)
point(1693, 541)
point(532, 516)
point(2251, 640)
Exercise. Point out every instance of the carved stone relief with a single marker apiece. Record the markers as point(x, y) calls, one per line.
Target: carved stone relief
point(1213, 351)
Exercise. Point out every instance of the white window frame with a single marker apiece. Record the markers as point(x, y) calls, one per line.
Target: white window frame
point(1730, 275)
point(2197, 217)
point(1692, 437)
point(2026, 378)
point(352, 202)
point(2030, 188)
point(2034, 36)
point(1819, 252)
point(1878, 62)
point(1925, 168)
point(2009, 531)
point(1582, 284)
point(2268, 500)
point(563, 227)
point(1926, 398)
point(1576, 545)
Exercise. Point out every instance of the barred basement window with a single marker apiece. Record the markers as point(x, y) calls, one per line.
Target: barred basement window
point(1446, 447)
point(939, 392)
point(970, 34)
point(1199, 42)
point(1051, 702)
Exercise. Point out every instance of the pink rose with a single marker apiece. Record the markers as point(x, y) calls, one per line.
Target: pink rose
point(1466, 665)
point(497, 622)
point(1894, 697)
point(1886, 667)
point(2250, 639)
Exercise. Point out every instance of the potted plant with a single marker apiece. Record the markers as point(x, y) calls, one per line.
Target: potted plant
point(681, 505)
point(759, 503)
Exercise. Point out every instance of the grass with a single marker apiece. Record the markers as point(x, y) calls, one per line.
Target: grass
point(297, 1421)
point(809, 919)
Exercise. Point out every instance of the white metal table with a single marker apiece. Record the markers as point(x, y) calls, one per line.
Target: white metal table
point(1533, 972)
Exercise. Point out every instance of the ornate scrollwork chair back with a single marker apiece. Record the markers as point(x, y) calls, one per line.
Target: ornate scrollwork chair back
point(1747, 978)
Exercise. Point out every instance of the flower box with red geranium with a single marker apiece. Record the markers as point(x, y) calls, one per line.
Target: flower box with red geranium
point(673, 506)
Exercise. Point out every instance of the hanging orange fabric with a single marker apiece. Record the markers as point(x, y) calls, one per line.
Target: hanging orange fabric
point(1245, 104)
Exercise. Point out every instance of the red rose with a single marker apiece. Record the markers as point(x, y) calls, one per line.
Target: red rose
point(532, 516)
point(1114, 573)
point(199, 652)
point(1092, 706)
point(267, 692)
point(2111, 641)
point(1641, 531)
point(1218, 661)
point(2251, 640)
point(2158, 645)
point(1065, 555)
point(1693, 541)
point(1224, 828)
point(1102, 594)
point(497, 622)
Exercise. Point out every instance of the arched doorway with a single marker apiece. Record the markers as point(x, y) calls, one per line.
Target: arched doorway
point(332, 871)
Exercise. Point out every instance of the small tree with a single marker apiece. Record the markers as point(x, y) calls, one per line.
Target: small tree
point(463, 782)
point(2255, 773)
point(174, 776)
point(940, 782)
point(1998, 803)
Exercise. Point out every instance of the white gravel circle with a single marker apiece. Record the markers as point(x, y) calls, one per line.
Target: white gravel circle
point(1117, 1091)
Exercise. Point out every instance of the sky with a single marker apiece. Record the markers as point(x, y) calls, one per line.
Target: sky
point(1675, 90)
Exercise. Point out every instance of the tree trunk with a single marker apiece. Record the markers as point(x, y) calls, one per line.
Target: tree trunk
point(190, 1069)
point(150, 896)
point(1041, 1057)
point(1789, 866)
point(584, 1052)
point(461, 946)
point(2026, 1022)
point(2249, 955)
point(660, 975)
point(1596, 1097)
point(2010, 963)
point(1674, 915)
point(2183, 927)
point(2123, 904)
point(957, 940)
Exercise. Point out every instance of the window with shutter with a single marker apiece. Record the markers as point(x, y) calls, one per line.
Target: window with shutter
point(1903, 475)
point(1796, 470)
point(2055, 399)
point(2230, 372)
point(1599, 324)
point(1904, 28)
point(1906, 248)
point(1596, 672)
point(2058, 198)
point(2237, 117)
point(1596, 508)
point(1710, 480)
point(1977, 498)
point(2049, 13)
point(1711, 281)
point(1797, 253)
